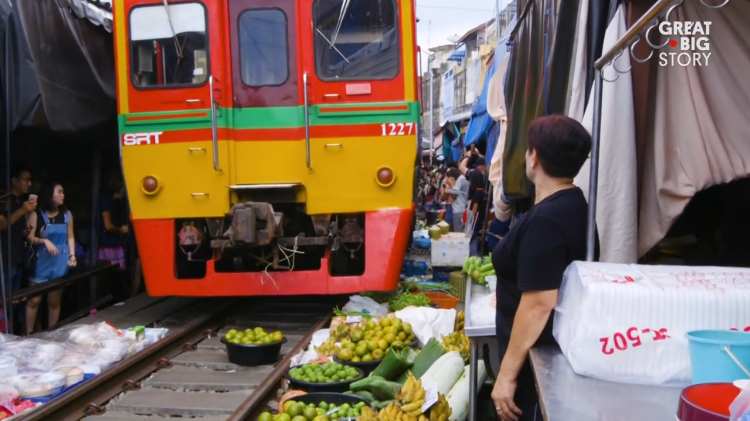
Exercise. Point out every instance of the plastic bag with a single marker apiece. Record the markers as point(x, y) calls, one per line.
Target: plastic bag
point(84, 335)
point(627, 323)
point(482, 311)
point(740, 409)
point(428, 322)
point(360, 304)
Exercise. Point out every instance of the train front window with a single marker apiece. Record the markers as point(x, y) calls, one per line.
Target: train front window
point(356, 39)
point(168, 45)
point(264, 53)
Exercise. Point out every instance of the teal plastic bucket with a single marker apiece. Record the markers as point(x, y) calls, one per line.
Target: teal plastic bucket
point(719, 356)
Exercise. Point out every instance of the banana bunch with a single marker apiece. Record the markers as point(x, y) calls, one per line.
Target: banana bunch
point(441, 411)
point(411, 396)
point(394, 412)
point(459, 326)
point(457, 341)
point(327, 348)
point(341, 331)
point(408, 404)
point(368, 414)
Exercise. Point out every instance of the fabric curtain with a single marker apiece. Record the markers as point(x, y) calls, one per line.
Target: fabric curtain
point(700, 130)
point(617, 193)
point(577, 87)
point(539, 43)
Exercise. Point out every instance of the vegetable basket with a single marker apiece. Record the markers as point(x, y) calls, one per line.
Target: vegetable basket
point(458, 281)
point(337, 387)
point(442, 300)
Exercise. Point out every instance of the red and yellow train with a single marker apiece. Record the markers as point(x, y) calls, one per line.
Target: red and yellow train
point(268, 146)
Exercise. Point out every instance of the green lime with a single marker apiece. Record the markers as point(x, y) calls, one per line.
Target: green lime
point(266, 416)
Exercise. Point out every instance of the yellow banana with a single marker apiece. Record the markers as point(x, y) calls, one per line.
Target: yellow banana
point(443, 417)
point(411, 407)
point(415, 413)
point(420, 394)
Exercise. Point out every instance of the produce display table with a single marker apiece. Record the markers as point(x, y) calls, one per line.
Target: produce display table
point(478, 337)
point(565, 396)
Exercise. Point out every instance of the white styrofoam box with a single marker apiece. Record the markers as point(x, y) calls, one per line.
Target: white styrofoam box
point(627, 323)
point(450, 250)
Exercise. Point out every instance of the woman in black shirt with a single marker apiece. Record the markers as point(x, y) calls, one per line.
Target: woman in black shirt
point(532, 257)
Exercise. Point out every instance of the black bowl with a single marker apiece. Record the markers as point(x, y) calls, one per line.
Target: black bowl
point(337, 387)
point(337, 399)
point(366, 367)
point(253, 355)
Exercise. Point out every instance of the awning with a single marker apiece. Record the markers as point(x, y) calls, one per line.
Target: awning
point(456, 118)
point(480, 121)
point(458, 54)
point(98, 12)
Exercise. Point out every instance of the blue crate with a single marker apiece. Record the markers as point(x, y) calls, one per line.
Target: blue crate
point(415, 268)
point(46, 399)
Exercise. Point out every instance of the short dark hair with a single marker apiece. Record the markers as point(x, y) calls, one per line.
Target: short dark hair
point(453, 172)
point(561, 143)
point(17, 168)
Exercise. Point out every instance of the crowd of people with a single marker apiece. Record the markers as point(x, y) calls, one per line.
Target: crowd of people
point(39, 239)
point(460, 191)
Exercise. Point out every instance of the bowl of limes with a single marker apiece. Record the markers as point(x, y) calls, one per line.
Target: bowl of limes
point(327, 377)
point(253, 347)
point(318, 407)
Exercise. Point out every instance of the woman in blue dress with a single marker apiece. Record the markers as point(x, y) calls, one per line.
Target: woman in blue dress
point(51, 234)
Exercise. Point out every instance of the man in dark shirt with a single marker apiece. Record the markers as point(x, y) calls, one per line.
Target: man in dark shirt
point(20, 206)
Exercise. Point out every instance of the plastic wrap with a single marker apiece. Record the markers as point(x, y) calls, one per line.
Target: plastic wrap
point(37, 385)
point(627, 323)
point(84, 335)
point(483, 311)
point(360, 304)
point(96, 346)
point(9, 397)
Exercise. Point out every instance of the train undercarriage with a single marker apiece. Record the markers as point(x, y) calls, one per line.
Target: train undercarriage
point(261, 237)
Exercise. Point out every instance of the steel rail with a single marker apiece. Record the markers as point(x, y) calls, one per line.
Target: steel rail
point(269, 385)
point(651, 14)
point(88, 397)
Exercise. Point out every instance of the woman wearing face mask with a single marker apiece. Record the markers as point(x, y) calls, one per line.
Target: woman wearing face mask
point(51, 234)
point(532, 257)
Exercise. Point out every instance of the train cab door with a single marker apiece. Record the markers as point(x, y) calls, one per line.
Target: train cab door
point(169, 107)
point(267, 114)
point(361, 99)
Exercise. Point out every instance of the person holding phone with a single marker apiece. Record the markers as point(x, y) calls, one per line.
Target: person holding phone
point(52, 236)
point(21, 204)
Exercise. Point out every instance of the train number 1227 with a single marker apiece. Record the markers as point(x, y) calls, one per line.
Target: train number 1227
point(397, 129)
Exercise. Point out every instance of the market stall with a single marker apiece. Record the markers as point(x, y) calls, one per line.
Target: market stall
point(564, 395)
point(480, 329)
point(35, 370)
point(384, 357)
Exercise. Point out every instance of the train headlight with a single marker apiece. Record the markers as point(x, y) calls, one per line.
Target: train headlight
point(385, 177)
point(150, 185)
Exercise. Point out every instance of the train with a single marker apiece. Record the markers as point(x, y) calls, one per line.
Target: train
point(268, 146)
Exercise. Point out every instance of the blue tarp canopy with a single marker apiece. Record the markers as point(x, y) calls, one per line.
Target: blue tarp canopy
point(481, 126)
point(480, 121)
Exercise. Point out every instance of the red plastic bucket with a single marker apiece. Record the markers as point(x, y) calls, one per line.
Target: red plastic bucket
point(706, 402)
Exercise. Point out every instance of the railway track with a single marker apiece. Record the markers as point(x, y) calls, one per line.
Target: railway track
point(187, 375)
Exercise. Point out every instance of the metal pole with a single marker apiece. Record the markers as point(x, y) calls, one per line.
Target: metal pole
point(7, 278)
point(497, 19)
point(432, 128)
point(96, 165)
point(594, 176)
